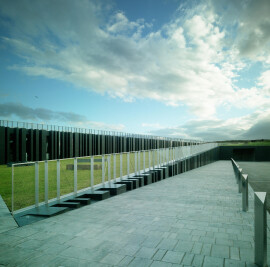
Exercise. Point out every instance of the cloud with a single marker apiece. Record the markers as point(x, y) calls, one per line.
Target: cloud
point(193, 60)
point(252, 126)
point(21, 112)
point(250, 26)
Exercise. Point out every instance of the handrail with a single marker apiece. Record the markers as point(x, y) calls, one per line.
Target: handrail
point(260, 222)
point(157, 158)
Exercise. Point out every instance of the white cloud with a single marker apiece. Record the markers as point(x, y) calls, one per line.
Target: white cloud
point(252, 126)
point(183, 63)
point(264, 81)
point(15, 111)
point(250, 26)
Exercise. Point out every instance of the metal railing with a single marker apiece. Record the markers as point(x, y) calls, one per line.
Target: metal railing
point(260, 215)
point(53, 180)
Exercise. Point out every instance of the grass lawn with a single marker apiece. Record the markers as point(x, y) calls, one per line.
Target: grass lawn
point(24, 179)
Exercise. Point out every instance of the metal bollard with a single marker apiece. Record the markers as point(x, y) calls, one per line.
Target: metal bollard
point(239, 180)
point(260, 225)
point(244, 192)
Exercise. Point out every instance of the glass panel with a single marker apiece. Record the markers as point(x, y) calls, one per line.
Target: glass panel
point(83, 172)
point(97, 170)
point(66, 176)
point(132, 162)
point(52, 179)
point(124, 164)
point(24, 186)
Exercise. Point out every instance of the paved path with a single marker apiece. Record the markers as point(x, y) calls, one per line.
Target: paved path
point(6, 220)
point(193, 219)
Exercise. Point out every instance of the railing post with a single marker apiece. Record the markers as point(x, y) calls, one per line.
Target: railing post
point(46, 182)
point(144, 160)
point(128, 164)
point(36, 184)
point(245, 192)
point(139, 162)
point(153, 157)
point(12, 193)
point(75, 177)
point(109, 169)
point(103, 170)
point(114, 168)
point(121, 166)
point(240, 180)
point(92, 174)
point(149, 158)
point(260, 225)
point(135, 163)
point(58, 179)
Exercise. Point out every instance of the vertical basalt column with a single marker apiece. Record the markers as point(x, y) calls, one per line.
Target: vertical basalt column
point(51, 144)
point(30, 145)
point(42, 144)
point(36, 145)
point(99, 143)
point(2, 145)
point(62, 145)
point(16, 140)
point(103, 143)
point(76, 144)
point(22, 143)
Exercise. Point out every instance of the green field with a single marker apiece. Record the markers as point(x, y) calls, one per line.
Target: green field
point(24, 178)
point(245, 143)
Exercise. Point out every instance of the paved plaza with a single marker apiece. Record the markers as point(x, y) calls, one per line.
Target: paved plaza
point(192, 219)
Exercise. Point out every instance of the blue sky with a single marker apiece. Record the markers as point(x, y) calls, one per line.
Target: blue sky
point(188, 69)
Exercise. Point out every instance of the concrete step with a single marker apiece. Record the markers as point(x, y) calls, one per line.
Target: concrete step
point(129, 184)
point(72, 205)
point(81, 200)
point(97, 195)
point(134, 181)
point(114, 189)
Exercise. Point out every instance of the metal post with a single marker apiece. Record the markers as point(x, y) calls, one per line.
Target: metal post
point(109, 169)
point(12, 194)
point(128, 155)
point(153, 156)
point(239, 180)
point(103, 170)
point(92, 174)
point(144, 160)
point(245, 192)
point(46, 182)
point(75, 177)
point(149, 159)
point(114, 167)
point(58, 179)
point(260, 226)
point(121, 166)
point(139, 162)
point(36, 184)
point(135, 162)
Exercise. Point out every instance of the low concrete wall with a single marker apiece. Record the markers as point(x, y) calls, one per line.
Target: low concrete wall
point(245, 153)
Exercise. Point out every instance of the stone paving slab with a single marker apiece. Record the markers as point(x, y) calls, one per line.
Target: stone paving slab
point(6, 219)
point(192, 219)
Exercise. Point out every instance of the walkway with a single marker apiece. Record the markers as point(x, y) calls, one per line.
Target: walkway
point(193, 219)
point(6, 220)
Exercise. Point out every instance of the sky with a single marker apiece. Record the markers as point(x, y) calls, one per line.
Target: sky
point(184, 69)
